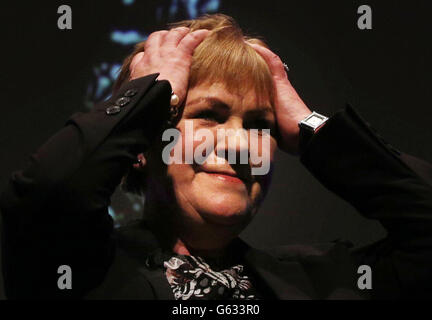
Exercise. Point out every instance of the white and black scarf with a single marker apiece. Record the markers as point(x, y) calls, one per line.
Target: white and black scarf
point(191, 278)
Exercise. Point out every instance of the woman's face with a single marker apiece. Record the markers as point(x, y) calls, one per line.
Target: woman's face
point(219, 196)
point(219, 191)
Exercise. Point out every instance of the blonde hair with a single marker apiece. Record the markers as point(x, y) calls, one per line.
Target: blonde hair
point(222, 57)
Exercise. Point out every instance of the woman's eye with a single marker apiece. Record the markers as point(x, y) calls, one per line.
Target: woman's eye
point(209, 116)
point(259, 125)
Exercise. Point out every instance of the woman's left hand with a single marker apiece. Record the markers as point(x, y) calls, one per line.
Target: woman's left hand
point(289, 107)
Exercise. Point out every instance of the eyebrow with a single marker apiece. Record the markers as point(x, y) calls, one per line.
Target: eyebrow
point(216, 102)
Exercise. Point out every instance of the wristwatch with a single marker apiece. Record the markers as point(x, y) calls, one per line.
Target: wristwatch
point(308, 126)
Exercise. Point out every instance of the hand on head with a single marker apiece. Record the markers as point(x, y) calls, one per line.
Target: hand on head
point(169, 53)
point(290, 108)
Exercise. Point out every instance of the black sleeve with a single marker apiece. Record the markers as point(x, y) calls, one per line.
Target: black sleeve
point(54, 211)
point(351, 159)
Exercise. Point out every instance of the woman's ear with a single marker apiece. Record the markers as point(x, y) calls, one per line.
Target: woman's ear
point(134, 181)
point(141, 162)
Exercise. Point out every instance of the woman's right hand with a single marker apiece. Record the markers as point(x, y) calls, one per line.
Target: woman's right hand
point(169, 53)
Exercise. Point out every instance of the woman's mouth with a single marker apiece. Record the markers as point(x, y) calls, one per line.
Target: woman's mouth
point(225, 177)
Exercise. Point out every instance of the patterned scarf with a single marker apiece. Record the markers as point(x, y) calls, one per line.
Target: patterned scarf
point(191, 278)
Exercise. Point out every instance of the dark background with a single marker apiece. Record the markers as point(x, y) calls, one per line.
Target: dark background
point(384, 73)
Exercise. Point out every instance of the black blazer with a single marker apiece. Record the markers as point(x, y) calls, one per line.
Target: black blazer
point(55, 212)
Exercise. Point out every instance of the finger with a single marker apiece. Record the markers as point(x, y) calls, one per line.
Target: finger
point(192, 40)
point(137, 58)
point(175, 35)
point(274, 62)
point(155, 40)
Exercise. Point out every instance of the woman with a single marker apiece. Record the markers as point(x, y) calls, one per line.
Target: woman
point(205, 75)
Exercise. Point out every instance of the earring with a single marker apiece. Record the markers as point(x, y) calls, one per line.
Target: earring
point(141, 162)
point(174, 109)
point(174, 99)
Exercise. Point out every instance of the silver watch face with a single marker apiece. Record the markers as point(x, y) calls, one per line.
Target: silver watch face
point(313, 121)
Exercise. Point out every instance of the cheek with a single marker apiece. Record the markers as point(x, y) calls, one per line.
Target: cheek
point(194, 142)
point(264, 183)
point(262, 150)
point(182, 172)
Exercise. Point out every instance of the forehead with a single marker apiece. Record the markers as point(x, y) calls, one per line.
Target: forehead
point(204, 93)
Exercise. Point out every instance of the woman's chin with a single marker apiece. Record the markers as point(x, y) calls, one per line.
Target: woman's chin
point(234, 212)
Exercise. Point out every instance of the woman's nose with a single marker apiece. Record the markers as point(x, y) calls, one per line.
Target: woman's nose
point(232, 141)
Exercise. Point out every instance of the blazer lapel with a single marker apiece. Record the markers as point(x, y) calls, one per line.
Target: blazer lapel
point(158, 282)
point(140, 244)
point(285, 280)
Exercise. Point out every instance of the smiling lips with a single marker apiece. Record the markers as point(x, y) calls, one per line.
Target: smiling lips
point(224, 174)
point(225, 177)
